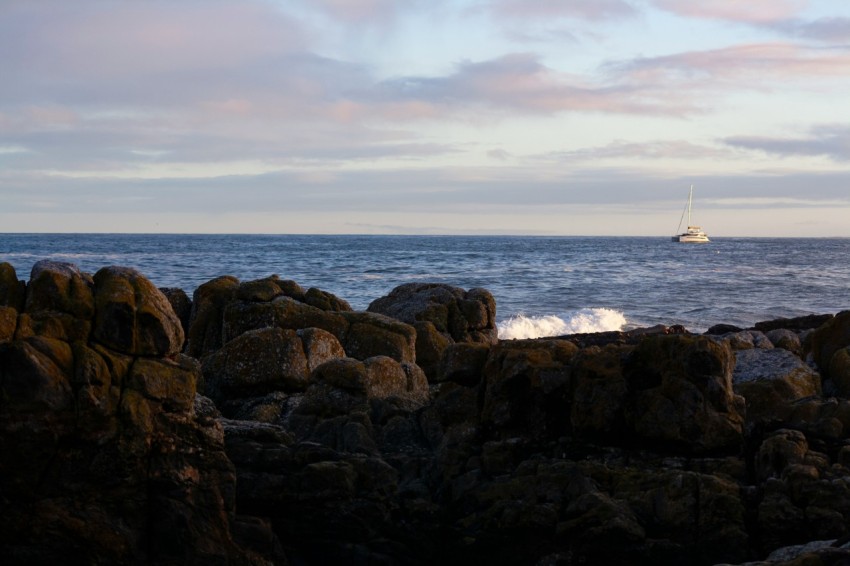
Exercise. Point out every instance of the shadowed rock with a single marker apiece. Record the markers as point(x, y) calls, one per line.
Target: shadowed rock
point(681, 393)
point(62, 287)
point(771, 380)
point(830, 338)
point(12, 291)
point(206, 321)
point(133, 316)
point(104, 460)
point(442, 315)
point(609, 448)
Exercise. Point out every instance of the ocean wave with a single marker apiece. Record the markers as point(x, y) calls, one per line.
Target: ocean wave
point(584, 320)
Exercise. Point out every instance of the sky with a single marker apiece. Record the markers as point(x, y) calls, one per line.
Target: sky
point(538, 117)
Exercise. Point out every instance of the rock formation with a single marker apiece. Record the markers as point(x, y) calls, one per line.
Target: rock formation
point(274, 425)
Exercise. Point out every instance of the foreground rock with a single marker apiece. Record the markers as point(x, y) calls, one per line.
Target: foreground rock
point(322, 438)
point(104, 459)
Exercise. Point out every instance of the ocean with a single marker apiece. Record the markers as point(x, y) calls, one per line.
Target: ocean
point(544, 286)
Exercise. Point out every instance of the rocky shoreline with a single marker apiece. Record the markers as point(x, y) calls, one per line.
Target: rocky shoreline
point(262, 423)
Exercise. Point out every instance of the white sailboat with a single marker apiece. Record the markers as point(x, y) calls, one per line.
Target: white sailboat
point(694, 234)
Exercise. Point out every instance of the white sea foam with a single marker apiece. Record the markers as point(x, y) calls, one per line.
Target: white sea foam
point(584, 320)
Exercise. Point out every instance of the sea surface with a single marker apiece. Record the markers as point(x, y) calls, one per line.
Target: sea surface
point(543, 286)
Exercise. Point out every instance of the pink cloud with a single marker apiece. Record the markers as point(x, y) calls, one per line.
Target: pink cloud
point(132, 38)
point(758, 64)
point(749, 11)
point(519, 82)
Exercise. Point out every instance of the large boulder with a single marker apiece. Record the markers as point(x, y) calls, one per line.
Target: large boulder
point(462, 363)
point(829, 338)
point(371, 334)
point(681, 395)
point(206, 320)
point(181, 304)
point(264, 360)
point(464, 316)
point(442, 315)
point(379, 377)
point(839, 371)
point(59, 303)
point(12, 291)
point(527, 388)
point(36, 376)
point(133, 316)
point(805, 496)
point(786, 339)
point(62, 287)
point(240, 316)
point(797, 324)
point(770, 380)
point(599, 392)
point(104, 459)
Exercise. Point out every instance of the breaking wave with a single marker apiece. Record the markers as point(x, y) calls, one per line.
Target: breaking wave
point(584, 320)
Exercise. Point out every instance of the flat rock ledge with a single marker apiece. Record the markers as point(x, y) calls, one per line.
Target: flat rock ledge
point(258, 422)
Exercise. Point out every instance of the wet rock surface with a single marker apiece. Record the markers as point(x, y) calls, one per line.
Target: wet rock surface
point(289, 429)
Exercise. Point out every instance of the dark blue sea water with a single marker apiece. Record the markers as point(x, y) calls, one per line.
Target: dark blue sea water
point(542, 285)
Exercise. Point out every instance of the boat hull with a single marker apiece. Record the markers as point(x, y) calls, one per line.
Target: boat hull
point(691, 239)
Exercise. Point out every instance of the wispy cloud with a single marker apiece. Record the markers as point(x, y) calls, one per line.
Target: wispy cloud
point(750, 66)
point(273, 105)
point(519, 82)
point(663, 149)
point(592, 10)
point(827, 141)
point(829, 30)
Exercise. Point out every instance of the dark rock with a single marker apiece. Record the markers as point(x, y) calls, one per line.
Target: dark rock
point(442, 315)
point(325, 301)
point(62, 287)
point(747, 340)
point(133, 316)
point(255, 363)
point(36, 376)
point(260, 290)
point(462, 363)
point(608, 448)
point(181, 304)
point(599, 392)
point(770, 380)
point(206, 320)
point(839, 371)
point(8, 323)
point(463, 316)
point(796, 324)
point(12, 291)
point(104, 459)
point(829, 338)
point(526, 388)
point(720, 329)
point(370, 334)
point(431, 346)
point(787, 340)
point(681, 394)
point(622, 337)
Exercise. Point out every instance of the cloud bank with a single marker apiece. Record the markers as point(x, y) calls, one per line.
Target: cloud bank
point(251, 107)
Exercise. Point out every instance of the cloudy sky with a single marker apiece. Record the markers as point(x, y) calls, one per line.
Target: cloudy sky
point(586, 117)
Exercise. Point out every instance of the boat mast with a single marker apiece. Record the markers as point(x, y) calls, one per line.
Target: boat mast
point(690, 198)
